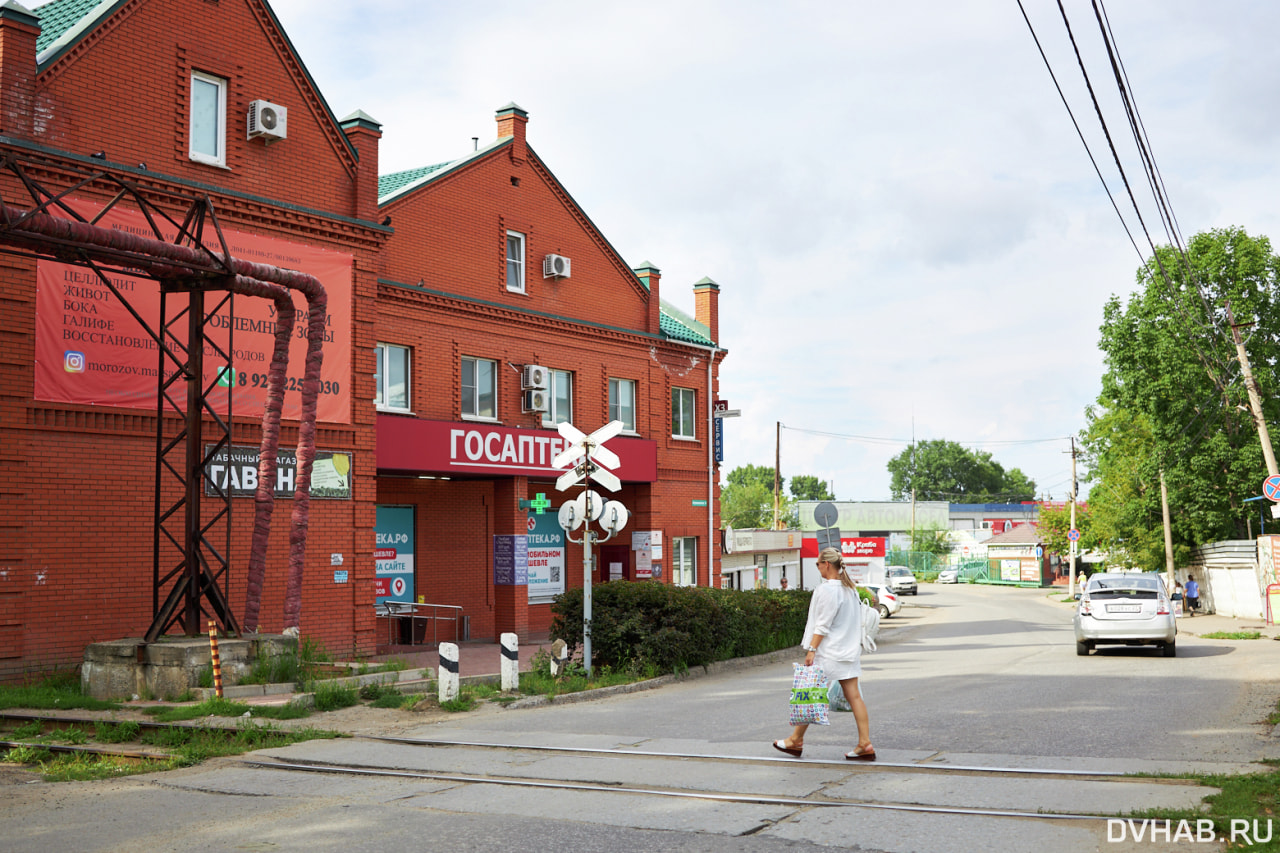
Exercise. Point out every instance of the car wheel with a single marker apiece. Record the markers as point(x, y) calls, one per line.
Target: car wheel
point(884, 611)
point(1170, 650)
point(1082, 648)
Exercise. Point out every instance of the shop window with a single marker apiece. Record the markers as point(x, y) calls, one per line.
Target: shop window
point(392, 378)
point(682, 413)
point(622, 403)
point(684, 560)
point(208, 131)
point(561, 394)
point(515, 261)
point(479, 388)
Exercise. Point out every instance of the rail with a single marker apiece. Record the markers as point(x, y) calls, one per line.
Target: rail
point(395, 611)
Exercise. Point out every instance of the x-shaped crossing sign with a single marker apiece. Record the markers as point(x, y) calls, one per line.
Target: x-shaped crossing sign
point(588, 456)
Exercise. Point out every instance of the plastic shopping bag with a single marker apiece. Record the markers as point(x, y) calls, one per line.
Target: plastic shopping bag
point(836, 698)
point(809, 702)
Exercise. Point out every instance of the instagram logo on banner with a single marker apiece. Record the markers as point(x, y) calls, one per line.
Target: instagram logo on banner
point(73, 362)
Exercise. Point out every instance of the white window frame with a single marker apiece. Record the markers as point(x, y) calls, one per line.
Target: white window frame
point(553, 415)
point(678, 417)
point(220, 157)
point(477, 392)
point(615, 403)
point(684, 560)
point(516, 266)
point(382, 378)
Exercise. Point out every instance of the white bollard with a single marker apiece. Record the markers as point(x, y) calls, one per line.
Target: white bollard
point(448, 671)
point(510, 661)
point(559, 652)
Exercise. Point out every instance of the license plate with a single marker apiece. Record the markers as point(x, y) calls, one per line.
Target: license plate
point(1124, 608)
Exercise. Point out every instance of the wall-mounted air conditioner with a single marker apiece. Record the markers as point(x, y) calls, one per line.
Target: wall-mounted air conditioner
point(556, 266)
point(534, 376)
point(536, 401)
point(268, 120)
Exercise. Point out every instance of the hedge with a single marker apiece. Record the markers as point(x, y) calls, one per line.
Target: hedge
point(672, 628)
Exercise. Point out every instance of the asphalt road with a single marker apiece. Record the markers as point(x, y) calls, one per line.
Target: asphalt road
point(966, 677)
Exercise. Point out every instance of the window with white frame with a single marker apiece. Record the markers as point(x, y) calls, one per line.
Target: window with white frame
point(682, 413)
point(684, 560)
point(622, 402)
point(208, 131)
point(479, 388)
point(515, 261)
point(561, 394)
point(392, 378)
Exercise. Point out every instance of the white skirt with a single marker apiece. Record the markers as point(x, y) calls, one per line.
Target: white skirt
point(838, 670)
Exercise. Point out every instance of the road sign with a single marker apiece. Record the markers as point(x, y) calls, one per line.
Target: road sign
point(1073, 535)
point(1271, 488)
point(720, 406)
point(591, 447)
point(825, 514)
point(1039, 551)
point(727, 413)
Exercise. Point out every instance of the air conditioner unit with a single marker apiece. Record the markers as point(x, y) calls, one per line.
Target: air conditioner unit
point(268, 120)
point(534, 376)
point(537, 401)
point(556, 266)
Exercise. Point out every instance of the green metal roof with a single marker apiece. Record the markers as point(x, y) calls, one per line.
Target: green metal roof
point(389, 184)
point(677, 325)
point(59, 16)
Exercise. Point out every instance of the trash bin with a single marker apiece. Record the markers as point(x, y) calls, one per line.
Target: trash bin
point(406, 630)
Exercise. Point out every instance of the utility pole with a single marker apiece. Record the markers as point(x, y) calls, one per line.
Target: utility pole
point(777, 477)
point(1071, 584)
point(1255, 401)
point(1168, 534)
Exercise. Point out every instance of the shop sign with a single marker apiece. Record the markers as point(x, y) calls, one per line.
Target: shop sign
point(850, 546)
point(393, 553)
point(510, 560)
point(450, 447)
point(546, 559)
point(236, 471)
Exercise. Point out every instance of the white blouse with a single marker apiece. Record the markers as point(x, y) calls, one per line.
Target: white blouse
point(835, 612)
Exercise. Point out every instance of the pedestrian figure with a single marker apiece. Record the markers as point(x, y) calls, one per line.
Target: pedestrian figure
point(833, 639)
point(1192, 594)
point(784, 582)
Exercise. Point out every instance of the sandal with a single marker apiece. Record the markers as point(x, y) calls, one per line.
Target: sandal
point(858, 754)
point(781, 746)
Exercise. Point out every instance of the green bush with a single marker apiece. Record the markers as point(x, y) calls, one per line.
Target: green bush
point(668, 628)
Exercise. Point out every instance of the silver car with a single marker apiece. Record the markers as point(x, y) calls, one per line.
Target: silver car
point(1131, 609)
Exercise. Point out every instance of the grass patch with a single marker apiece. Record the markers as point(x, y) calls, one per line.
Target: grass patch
point(54, 693)
point(90, 768)
point(214, 707)
point(1232, 635)
point(331, 697)
point(26, 731)
point(539, 681)
point(123, 732)
point(1242, 801)
point(27, 755)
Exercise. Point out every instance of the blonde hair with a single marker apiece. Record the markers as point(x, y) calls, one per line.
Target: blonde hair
point(832, 557)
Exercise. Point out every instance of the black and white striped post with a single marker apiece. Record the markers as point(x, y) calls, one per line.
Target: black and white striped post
point(510, 662)
point(448, 671)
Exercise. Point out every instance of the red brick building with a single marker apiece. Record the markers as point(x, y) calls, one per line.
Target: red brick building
point(494, 272)
point(222, 107)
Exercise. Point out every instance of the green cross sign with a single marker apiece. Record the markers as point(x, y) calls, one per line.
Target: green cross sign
point(540, 503)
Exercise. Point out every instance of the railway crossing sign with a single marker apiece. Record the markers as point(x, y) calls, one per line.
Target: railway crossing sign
point(589, 457)
point(1271, 488)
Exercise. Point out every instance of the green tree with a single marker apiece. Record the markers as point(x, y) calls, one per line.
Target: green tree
point(1172, 398)
point(806, 487)
point(941, 470)
point(747, 505)
point(758, 474)
point(932, 539)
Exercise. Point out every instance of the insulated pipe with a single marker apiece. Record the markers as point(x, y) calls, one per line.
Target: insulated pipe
point(36, 230)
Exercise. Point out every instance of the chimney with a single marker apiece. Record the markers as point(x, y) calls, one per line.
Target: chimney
point(364, 132)
point(706, 296)
point(650, 276)
point(511, 122)
point(19, 29)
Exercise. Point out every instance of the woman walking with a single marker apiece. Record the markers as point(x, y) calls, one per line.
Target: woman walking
point(833, 640)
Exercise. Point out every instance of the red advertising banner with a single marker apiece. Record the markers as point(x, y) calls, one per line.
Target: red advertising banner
point(417, 445)
point(851, 548)
point(91, 350)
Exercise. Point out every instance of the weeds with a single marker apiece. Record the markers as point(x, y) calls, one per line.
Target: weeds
point(27, 755)
point(1253, 797)
point(331, 697)
point(123, 732)
point(1232, 635)
point(52, 693)
point(29, 730)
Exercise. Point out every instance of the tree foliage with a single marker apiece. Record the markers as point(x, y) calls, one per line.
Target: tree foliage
point(941, 470)
point(806, 487)
point(1173, 399)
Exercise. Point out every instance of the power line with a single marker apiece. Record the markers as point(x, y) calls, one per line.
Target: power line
point(870, 439)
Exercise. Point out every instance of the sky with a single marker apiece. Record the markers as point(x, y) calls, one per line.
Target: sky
point(908, 234)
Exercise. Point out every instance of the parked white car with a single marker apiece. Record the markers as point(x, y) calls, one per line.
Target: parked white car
point(949, 576)
point(889, 603)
